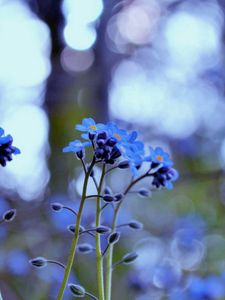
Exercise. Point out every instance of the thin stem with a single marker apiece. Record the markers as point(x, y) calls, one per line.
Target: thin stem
point(95, 182)
point(98, 239)
point(106, 204)
point(104, 252)
point(56, 263)
point(109, 257)
point(94, 196)
point(70, 209)
point(91, 296)
point(76, 234)
point(122, 225)
point(84, 167)
point(111, 169)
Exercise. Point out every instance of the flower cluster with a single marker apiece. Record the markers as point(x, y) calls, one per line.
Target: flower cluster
point(6, 148)
point(109, 143)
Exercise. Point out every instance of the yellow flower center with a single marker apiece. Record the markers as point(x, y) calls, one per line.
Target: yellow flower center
point(117, 136)
point(159, 158)
point(93, 127)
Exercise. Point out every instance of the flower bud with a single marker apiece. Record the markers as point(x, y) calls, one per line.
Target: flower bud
point(129, 257)
point(91, 136)
point(102, 229)
point(123, 164)
point(114, 238)
point(108, 198)
point(71, 228)
point(143, 192)
point(118, 197)
point(80, 154)
point(77, 290)
point(107, 191)
point(38, 262)
point(56, 206)
point(135, 225)
point(102, 135)
point(9, 215)
point(84, 248)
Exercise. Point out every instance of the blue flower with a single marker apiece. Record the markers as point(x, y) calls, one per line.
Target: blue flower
point(6, 148)
point(77, 147)
point(89, 126)
point(159, 157)
point(114, 131)
point(134, 153)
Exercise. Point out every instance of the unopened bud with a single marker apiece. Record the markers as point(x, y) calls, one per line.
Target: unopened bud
point(102, 229)
point(129, 258)
point(123, 164)
point(143, 192)
point(77, 290)
point(57, 206)
point(38, 262)
point(9, 215)
point(135, 225)
point(114, 238)
point(118, 197)
point(107, 191)
point(108, 198)
point(84, 248)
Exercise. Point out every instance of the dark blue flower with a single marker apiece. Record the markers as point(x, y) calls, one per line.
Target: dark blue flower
point(159, 157)
point(77, 147)
point(106, 148)
point(164, 177)
point(6, 148)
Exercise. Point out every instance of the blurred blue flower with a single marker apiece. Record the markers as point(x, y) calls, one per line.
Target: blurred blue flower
point(17, 262)
point(6, 148)
point(76, 146)
point(210, 288)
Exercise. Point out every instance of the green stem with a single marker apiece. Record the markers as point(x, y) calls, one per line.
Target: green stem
point(99, 259)
point(76, 234)
point(109, 257)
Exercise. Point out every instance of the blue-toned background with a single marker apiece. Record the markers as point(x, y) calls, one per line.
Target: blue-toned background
point(152, 65)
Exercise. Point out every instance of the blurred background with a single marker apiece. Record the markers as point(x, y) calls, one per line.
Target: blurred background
point(156, 66)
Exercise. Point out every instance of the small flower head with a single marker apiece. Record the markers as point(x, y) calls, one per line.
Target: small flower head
point(164, 177)
point(159, 157)
point(77, 147)
point(106, 148)
point(90, 128)
point(84, 248)
point(6, 148)
point(135, 225)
